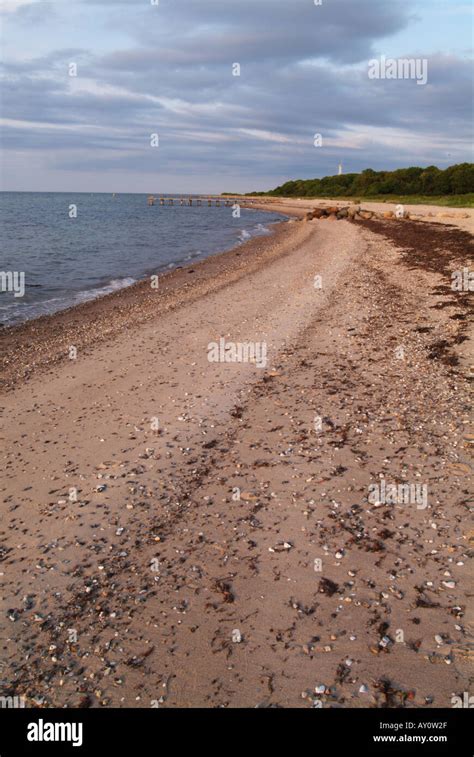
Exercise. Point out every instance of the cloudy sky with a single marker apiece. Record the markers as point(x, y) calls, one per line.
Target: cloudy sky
point(167, 69)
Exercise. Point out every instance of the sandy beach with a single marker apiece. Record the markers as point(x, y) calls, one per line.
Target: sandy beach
point(177, 532)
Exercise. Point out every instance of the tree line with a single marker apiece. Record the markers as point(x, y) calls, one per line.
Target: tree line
point(431, 181)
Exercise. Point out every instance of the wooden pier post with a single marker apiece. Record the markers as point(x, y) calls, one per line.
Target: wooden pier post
point(199, 201)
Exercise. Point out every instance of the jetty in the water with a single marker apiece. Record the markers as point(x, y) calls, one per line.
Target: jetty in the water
point(210, 200)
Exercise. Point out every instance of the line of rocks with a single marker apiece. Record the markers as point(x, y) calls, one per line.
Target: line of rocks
point(352, 213)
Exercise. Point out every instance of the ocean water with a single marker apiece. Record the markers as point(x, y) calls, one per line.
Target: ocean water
point(113, 242)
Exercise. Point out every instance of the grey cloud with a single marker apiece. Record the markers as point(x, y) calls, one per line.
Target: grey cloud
point(298, 78)
point(37, 13)
point(197, 31)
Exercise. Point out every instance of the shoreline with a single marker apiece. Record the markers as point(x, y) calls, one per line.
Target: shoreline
point(22, 343)
point(39, 343)
point(293, 208)
point(184, 263)
point(156, 503)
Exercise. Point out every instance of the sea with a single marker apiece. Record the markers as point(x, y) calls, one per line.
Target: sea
point(68, 248)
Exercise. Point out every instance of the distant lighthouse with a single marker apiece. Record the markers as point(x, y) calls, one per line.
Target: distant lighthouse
point(339, 172)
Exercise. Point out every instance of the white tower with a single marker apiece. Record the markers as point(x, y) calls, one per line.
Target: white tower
point(340, 168)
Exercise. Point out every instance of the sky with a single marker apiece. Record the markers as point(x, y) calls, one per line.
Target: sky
point(142, 96)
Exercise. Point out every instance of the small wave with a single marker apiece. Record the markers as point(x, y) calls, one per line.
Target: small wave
point(16, 312)
point(244, 235)
point(92, 294)
point(193, 255)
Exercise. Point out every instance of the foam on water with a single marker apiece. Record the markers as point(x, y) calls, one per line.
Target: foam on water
point(13, 310)
point(244, 235)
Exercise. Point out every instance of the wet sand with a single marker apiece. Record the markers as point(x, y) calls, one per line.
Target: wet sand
point(181, 533)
